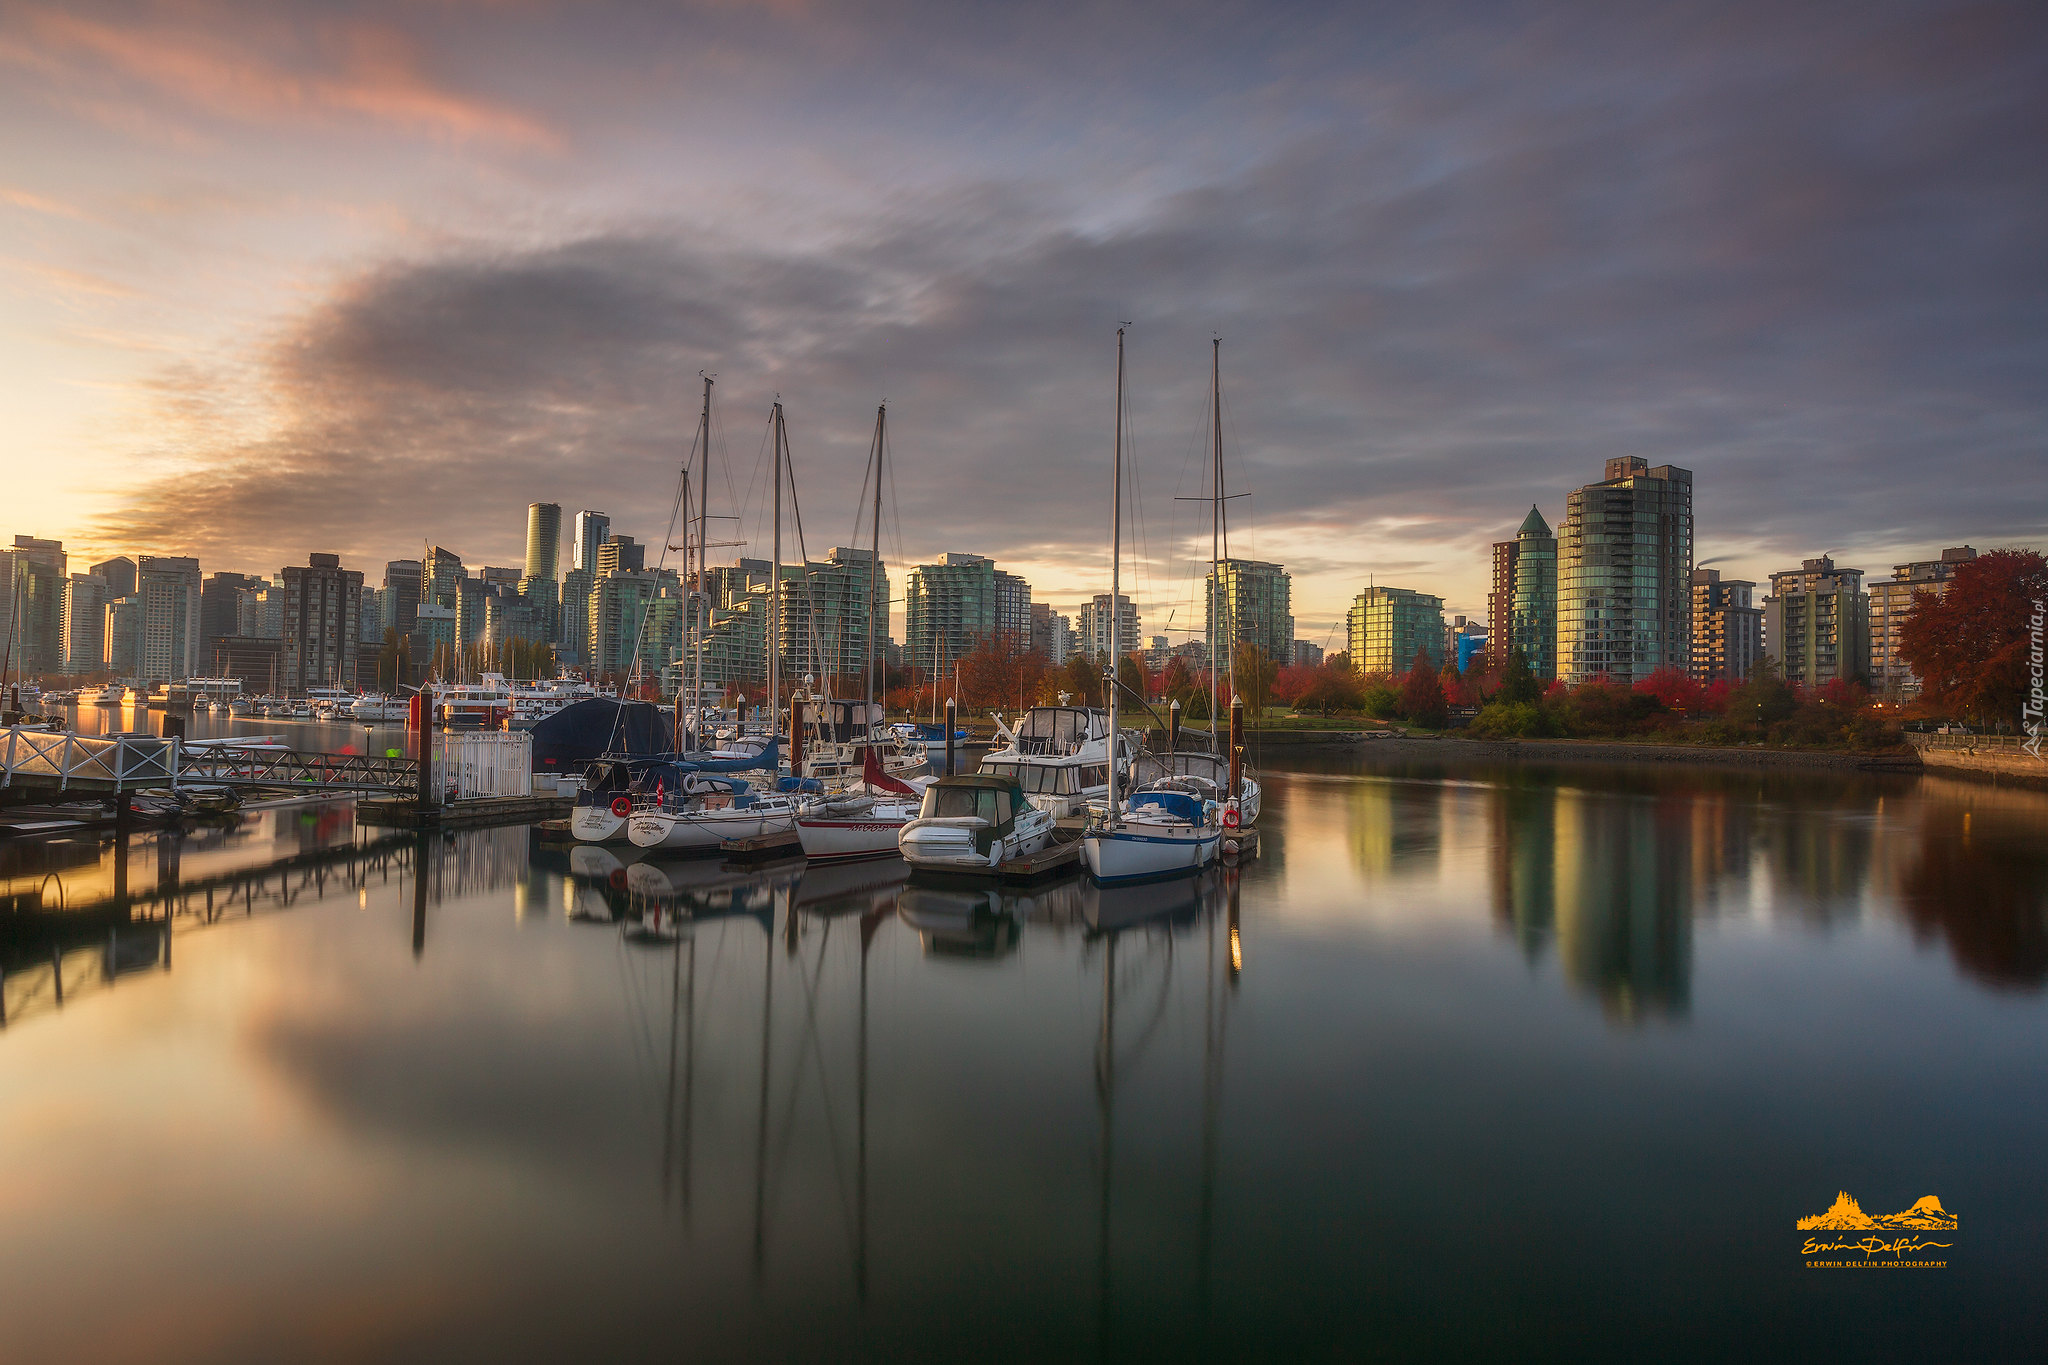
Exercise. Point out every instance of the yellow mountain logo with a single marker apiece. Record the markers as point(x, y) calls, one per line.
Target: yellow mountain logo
point(1926, 1212)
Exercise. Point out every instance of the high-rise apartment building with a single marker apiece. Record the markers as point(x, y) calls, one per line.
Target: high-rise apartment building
point(1624, 574)
point(444, 575)
point(32, 574)
point(1817, 623)
point(1091, 632)
point(621, 554)
point(123, 635)
point(825, 615)
point(322, 624)
point(1727, 630)
point(1387, 626)
point(168, 644)
point(949, 608)
point(220, 603)
point(403, 582)
point(574, 614)
point(1500, 600)
point(1891, 603)
point(1249, 602)
point(1308, 654)
point(1531, 621)
point(259, 612)
point(592, 529)
point(1052, 635)
point(543, 540)
point(619, 608)
point(119, 572)
point(85, 623)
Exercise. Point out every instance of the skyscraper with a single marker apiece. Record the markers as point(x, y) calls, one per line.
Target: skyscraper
point(543, 540)
point(120, 575)
point(949, 607)
point(85, 623)
point(1248, 601)
point(592, 529)
point(1891, 603)
point(1624, 574)
point(1532, 602)
point(220, 600)
point(1500, 602)
point(32, 577)
point(1091, 632)
point(322, 624)
point(1727, 631)
point(167, 623)
point(620, 554)
point(1817, 623)
point(403, 579)
point(1387, 626)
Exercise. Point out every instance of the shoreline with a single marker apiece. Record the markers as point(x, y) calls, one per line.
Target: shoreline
point(1611, 751)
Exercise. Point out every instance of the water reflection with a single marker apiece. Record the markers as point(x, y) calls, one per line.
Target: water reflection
point(616, 1103)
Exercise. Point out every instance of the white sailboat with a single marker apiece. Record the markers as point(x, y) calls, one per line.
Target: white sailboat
point(1158, 834)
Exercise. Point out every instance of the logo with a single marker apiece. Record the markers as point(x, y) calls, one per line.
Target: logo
point(1888, 1241)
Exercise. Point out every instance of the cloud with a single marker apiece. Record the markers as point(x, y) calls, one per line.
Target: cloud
point(1801, 261)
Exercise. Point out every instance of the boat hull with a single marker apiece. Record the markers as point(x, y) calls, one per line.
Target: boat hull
point(844, 841)
point(598, 825)
point(938, 849)
point(703, 831)
point(1126, 855)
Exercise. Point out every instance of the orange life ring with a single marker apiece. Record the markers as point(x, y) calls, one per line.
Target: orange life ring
point(622, 806)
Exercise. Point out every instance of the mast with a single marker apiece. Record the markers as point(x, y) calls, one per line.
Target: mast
point(1116, 555)
point(694, 661)
point(1215, 524)
point(684, 681)
point(875, 543)
point(1223, 535)
point(775, 590)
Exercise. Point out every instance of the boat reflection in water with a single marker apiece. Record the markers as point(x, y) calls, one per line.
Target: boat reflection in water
point(970, 920)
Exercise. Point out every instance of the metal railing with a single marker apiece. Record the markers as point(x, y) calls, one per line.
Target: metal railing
point(55, 759)
point(46, 756)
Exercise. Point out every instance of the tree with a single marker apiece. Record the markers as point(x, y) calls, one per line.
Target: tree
point(1333, 688)
point(1081, 679)
point(1255, 675)
point(1177, 682)
point(1672, 687)
point(1131, 677)
point(1970, 645)
point(1518, 683)
point(1422, 694)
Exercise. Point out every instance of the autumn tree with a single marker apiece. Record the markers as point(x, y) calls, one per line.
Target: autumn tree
point(1422, 693)
point(1970, 645)
point(1333, 688)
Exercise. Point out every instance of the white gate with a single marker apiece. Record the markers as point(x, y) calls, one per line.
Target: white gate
point(493, 763)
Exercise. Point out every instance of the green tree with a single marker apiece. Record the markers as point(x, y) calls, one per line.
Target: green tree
point(1518, 683)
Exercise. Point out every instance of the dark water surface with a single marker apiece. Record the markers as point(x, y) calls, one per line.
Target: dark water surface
point(1472, 1063)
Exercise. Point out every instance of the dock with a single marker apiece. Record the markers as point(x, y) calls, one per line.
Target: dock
point(762, 848)
point(472, 812)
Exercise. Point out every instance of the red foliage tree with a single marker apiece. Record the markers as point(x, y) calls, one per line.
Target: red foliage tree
point(1970, 644)
point(1674, 688)
point(1422, 693)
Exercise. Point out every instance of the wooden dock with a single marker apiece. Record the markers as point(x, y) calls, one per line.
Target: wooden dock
point(1060, 852)
point(1240, 844)
point(763, 848)
point(469, 813)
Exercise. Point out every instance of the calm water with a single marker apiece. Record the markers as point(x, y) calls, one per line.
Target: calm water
point(1470, 1064)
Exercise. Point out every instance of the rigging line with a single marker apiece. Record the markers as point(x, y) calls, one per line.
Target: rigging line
point(675, 510)
point(804, 555)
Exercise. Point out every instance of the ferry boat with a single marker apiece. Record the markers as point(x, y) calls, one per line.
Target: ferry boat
point(1059, 755)
point(377, 706)
point(482, 705)
point(110, 695)
point(973, 824)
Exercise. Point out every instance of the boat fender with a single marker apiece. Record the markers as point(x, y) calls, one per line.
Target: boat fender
point(622, 806)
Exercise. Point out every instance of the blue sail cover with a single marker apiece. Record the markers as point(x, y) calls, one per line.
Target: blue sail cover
point(1177, 804)
point(769, 759)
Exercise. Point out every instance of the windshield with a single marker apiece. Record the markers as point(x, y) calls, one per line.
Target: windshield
point(981, 803)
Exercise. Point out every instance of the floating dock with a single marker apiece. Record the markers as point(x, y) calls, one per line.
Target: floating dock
point(468, 813)
point(1059, 853)
point(762, 848)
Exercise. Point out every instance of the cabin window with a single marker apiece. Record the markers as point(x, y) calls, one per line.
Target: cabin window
point(1002, 813)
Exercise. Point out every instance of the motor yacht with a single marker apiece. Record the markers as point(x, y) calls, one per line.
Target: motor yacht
point(1059, 755)
point(974, 823)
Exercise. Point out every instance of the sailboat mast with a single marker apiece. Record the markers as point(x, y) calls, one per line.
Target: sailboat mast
point(694, 663)
point(683, 683)
point(1116, 555)
point(1215, 522)
point(875, 544)
point(775, 589)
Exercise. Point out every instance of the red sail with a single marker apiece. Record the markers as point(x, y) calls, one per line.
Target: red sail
point(872, 774)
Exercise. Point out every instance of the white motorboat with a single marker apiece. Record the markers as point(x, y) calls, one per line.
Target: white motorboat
point(838, 736)
point(1059, 755)
point(974, 823)
point(110, 695)
point(481, 705)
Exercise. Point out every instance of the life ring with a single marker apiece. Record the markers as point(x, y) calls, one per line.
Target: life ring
point(1230, 817)
point(622, 806)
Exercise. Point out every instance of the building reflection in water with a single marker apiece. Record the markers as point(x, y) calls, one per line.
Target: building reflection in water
point(1977, 880)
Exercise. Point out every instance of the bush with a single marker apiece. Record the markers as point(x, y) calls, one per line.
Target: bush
point(1511, 720)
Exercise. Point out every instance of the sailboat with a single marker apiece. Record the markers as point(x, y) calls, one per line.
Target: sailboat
point(1157, 833)
point(1219, 772)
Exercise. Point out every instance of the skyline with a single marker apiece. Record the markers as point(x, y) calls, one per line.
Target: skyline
point(279, 278)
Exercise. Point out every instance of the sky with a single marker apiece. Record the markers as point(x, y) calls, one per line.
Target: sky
point(279, 278)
